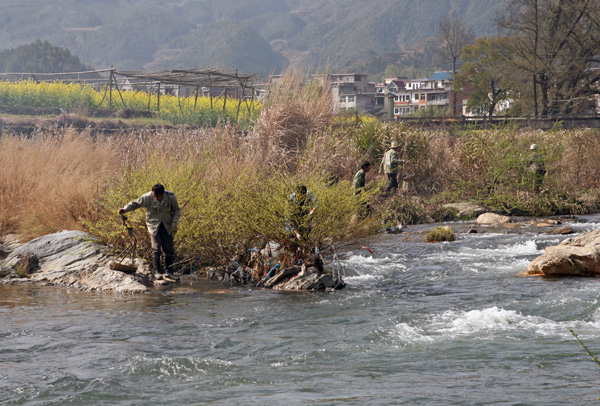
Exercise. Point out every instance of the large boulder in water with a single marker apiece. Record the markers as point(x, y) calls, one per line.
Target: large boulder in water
point(466, 209)
point(76, 259)
point(492, 218)
point(576, 256)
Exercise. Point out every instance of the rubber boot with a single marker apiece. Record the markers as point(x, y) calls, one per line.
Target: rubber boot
point(156, 262)
point(169, 260)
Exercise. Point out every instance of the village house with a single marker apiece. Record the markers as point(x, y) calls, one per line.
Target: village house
point(352, 92)
point(403, 96)
point(395, 97)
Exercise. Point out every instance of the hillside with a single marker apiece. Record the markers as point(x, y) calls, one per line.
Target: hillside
point(252, 35)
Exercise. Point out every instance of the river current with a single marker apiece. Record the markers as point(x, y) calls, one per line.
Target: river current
point(418, 324)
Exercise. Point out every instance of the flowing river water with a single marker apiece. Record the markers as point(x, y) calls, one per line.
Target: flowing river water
point(419, 324)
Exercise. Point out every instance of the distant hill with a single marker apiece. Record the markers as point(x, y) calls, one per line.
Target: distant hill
point(40, 57)
point(260, 36)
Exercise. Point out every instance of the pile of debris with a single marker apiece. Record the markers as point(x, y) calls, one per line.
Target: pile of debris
point(271, 268)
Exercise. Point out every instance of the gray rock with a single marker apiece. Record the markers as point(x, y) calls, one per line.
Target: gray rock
point(466, 209)
point(492, 218)
point(77, 259)
point(562, 230)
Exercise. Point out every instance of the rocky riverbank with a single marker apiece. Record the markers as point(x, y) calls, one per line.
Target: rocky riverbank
point(74, 259)
point(77, 259)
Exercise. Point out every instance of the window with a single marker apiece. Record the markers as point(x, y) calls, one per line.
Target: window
point(396, 110)
point(423, 96)
point(416, 97)
point(396, 98)
point(350, 99)
point(342, 100)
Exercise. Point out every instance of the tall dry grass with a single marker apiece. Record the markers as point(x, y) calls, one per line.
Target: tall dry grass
point(49, 182)
point(296, 109)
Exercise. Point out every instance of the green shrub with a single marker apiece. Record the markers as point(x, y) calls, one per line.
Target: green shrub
point(440, 234)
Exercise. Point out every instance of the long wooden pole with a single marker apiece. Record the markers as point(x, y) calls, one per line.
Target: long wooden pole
point(210, 91)
point(149, 95)
point(110, 82)
point(119, 91)
point(179, 95)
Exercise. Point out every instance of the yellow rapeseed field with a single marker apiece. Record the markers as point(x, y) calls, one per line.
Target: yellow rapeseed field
point(176, 110)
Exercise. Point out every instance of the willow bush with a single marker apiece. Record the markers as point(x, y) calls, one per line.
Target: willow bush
point(225, 213)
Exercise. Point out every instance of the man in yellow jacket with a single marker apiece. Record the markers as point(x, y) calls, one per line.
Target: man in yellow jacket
point(162, 216)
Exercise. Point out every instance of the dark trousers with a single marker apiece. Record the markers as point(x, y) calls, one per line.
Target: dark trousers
point(538, 179)
point(393, 182)
point(163, 242)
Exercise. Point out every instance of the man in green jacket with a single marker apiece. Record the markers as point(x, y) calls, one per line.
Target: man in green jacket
point(358, 183)
point(162, 216)
point(537, 166)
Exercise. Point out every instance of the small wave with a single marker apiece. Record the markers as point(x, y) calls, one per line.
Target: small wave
point(361, 259)
point(362, 278)
point(411, 335)
point(478, 320)
point(166, 367)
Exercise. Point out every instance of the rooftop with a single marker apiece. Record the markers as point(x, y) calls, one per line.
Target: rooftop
point(444, 75)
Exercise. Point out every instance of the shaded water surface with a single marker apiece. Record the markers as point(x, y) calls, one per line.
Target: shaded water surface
point(419, 324)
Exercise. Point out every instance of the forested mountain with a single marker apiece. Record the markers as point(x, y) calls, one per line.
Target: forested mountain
point(259, 36)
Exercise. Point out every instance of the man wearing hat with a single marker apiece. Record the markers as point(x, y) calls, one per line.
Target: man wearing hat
point(537, 166)
point(390, 165)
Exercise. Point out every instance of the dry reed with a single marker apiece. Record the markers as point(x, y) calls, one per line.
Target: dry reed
point(49, 182)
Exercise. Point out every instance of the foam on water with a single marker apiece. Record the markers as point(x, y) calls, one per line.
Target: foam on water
point(487, 324)
point(528, 247)
point(475, 321)
point(360, 269)
point(363, 278)
point(584, 227)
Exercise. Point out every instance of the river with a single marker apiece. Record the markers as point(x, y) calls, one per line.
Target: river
point(418, 324)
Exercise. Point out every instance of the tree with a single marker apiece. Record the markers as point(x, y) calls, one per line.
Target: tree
point(485, 68)
point(40, 57)
point(556, 43)
point(454, 36)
